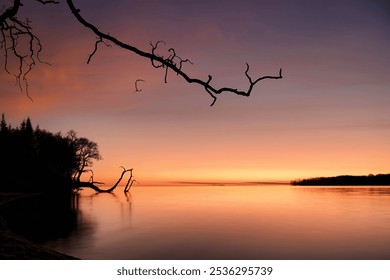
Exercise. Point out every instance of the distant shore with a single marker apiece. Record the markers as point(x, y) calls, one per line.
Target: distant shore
point(345, 180)
point(15, 247)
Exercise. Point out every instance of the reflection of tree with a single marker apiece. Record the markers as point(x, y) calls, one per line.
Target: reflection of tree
point(348, 190)
point(42, 218)
point(20, 42)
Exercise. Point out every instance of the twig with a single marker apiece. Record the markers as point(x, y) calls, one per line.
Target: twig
point(158, 61)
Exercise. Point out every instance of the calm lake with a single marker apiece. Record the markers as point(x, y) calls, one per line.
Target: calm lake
point(229, 222)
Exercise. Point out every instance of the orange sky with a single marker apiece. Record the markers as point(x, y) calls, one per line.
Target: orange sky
point(328, 116)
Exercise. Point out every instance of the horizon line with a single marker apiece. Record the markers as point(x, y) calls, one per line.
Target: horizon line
point(217, 183)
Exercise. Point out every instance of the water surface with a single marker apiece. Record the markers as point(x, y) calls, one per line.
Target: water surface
point(231, 222)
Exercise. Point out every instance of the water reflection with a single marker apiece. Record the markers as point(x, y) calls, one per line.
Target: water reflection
point(235, 222)
point(45, 218)
point(363, 191)
point(268, 222)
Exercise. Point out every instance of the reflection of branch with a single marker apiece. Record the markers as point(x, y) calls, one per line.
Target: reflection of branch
point(172, 62)
point(128, 199)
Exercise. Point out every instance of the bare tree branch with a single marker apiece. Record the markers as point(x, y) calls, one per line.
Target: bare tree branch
point(130, 182)
point(136, 85)
point(158, 61)
point(98, 41)
point(48, 2)
point(15, 35)
point(91, 184)
point(10, 12)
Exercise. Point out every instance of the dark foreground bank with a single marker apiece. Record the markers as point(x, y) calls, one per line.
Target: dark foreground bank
point(15, 247)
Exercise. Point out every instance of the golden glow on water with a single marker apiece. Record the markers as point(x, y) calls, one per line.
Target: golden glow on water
point(263, 222)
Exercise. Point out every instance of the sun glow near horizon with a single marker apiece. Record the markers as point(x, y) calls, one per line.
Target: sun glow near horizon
point(328, 116)
point(227, 176)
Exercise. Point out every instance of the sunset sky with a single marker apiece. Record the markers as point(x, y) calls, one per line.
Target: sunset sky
point(329, 115)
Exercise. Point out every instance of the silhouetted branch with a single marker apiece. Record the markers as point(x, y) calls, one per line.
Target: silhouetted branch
point(15, 35)
point(92, 185)
point(136, 85)
point(154, 47)
point(209, 92)
point(169, 63)
point(91, 180)
point(48, 2)
point(128, 187)
point(98, 41)
point(129, 181)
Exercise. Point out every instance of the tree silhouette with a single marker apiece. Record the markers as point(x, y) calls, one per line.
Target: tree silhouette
point(35, 159)
point(86, 151)
point(47, 161)
point(13, 31)
point(3, 124)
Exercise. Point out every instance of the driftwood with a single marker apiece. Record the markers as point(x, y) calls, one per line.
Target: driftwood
point(93, 185)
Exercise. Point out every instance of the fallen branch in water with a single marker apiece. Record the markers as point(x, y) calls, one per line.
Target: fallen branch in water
point(91, 184)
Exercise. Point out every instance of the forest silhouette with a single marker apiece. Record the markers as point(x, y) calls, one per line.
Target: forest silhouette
point(39, 160)
point(40, 173)
point(346, 180)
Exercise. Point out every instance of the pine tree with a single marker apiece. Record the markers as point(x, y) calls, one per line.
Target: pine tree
point(29, 129)
point(3, 125)
point(23, 126)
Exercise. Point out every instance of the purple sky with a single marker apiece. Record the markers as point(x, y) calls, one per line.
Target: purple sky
point(329, 115)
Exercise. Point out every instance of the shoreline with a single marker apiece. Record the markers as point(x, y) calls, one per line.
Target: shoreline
point(345, 180)
point(15, 247)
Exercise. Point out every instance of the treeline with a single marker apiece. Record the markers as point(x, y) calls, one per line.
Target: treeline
point(36, 159)
point(346, 180)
